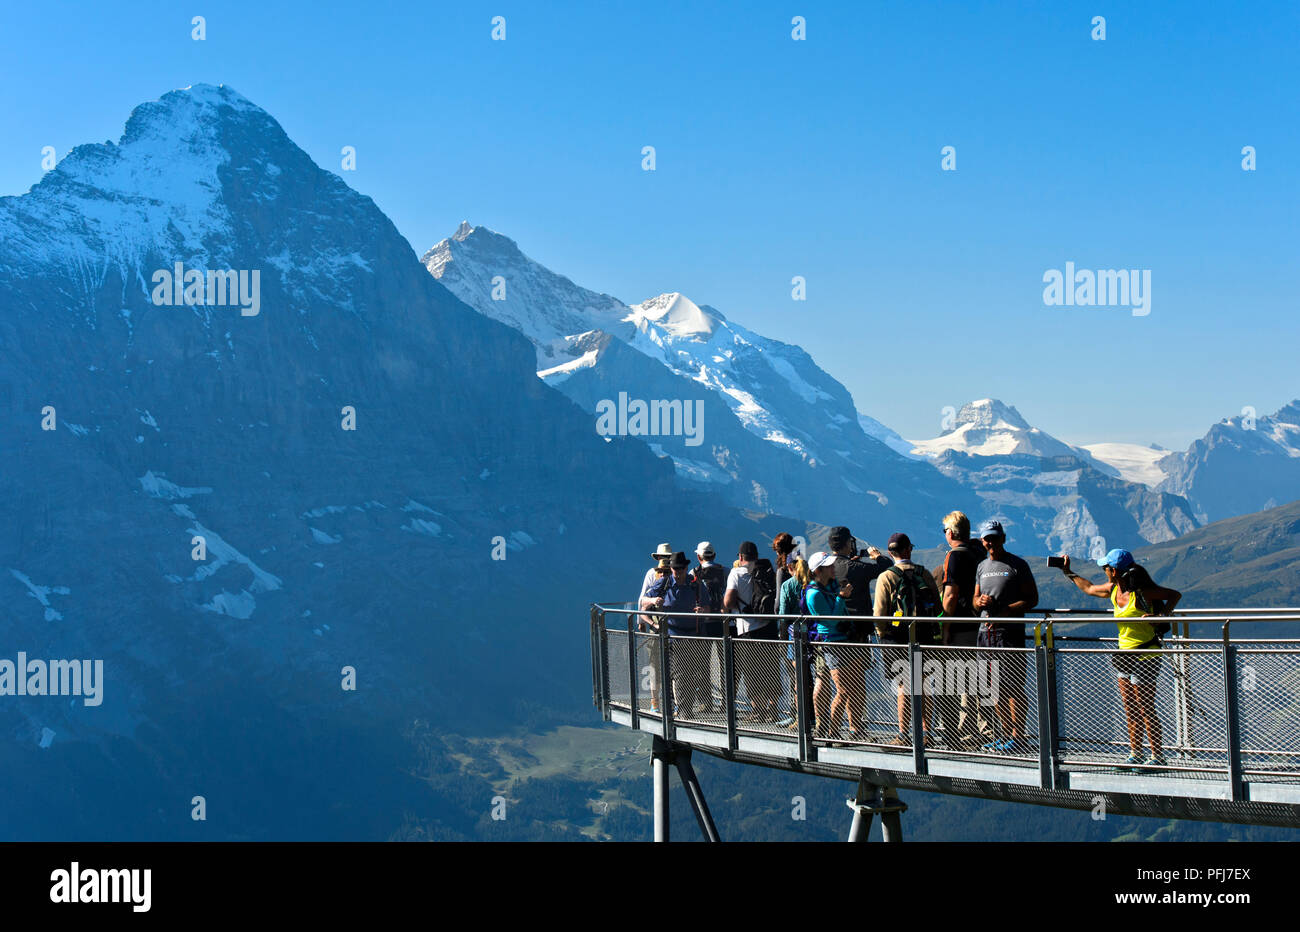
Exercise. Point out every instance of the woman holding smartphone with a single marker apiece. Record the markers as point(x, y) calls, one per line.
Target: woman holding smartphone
point(1135, 597)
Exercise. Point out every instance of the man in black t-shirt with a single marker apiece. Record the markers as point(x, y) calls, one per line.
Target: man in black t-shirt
point(1005, 588)
point(957, 578)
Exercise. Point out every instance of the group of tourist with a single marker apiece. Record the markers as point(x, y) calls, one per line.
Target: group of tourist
point(848, 598)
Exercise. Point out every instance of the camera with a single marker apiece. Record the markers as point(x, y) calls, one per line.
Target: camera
point(1054, 562)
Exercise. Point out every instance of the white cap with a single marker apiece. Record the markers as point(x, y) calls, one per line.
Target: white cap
point(819, 559)
point(704, 549)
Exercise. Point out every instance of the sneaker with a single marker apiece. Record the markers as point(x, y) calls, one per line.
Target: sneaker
point(991, 746)
point(1158, 760)
point(1132, 760)
point(786, 721)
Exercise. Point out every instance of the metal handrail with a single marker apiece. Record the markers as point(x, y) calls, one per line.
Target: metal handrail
point(1079, 616)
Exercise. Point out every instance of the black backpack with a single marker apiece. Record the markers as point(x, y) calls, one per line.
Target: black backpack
point(763, 596)
point(1161, 628)
point(713, 578)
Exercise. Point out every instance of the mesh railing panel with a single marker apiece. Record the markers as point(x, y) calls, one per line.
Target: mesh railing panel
point(696, 665)
point(1268, 704)
point(760, 687)
point(980, 701)
point(853, 696)
point(617, 689)
point(1176, 707)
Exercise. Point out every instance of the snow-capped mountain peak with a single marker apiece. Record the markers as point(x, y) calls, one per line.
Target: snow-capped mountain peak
point(991, 414)
point(678, 315)
point(989, 427)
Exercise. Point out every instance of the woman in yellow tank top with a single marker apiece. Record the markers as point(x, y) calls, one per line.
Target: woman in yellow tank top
point(1134, 597)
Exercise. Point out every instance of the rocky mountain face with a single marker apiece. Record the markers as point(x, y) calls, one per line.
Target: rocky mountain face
point(234, 501)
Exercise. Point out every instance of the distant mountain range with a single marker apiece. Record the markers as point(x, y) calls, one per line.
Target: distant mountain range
point(1242, 464)
point(780, 434)
point(783, 435)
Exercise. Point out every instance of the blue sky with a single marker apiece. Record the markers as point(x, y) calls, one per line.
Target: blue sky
point(778, 158)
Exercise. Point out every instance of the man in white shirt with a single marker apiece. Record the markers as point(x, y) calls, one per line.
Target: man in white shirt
point(740, 586)
point(753, 667)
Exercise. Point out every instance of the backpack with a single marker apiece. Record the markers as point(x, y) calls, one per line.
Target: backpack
point(1161, 628)
point(810, 625)
point(713, 578)
point(763, 589)
point(914, 597)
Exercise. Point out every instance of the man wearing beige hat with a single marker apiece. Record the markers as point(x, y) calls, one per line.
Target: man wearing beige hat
point(662, 555)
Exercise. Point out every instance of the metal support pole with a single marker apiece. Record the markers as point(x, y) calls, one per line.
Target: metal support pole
point(596, 658)
point(603, 646)
point(1048, 710)
point(633, 674)
point(659, 755)
point(666, 682)
point(915, 700)
point(872, 799)
point(1053, 739)
point(1234, 730)
point(803, 694)
point(729, 683)
point(695, 794)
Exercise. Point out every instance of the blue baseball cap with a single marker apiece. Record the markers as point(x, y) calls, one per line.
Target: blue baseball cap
point(1117, 559)
point(991, 527)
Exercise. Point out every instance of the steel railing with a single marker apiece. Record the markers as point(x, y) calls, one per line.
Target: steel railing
point(1219, 709)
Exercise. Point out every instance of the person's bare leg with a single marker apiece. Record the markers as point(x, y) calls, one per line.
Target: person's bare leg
point(822, 702)
point(904, 718)
point(1132, 714)
point(1146, 703)
point(1016, 714)
point(837, 704)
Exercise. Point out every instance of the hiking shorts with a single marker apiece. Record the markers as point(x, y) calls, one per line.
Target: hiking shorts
point(1137, 666)
point(832, 659)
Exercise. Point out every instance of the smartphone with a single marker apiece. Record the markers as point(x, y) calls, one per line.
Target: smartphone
point(1054, 562)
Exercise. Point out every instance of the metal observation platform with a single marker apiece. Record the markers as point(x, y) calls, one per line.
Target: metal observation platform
point(1043, 724)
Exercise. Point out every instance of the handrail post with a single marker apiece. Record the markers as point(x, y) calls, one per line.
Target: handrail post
point(665, 684)
point(633, 674)
point(729, 683)
point(1048, 708)
point(591, 638)
point(803, 687)
point(915, 700)
point(600, 661)
point(1230, 700)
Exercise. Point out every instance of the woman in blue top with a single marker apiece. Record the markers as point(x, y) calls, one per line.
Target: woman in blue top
point(787, 603)
point(825, 599)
